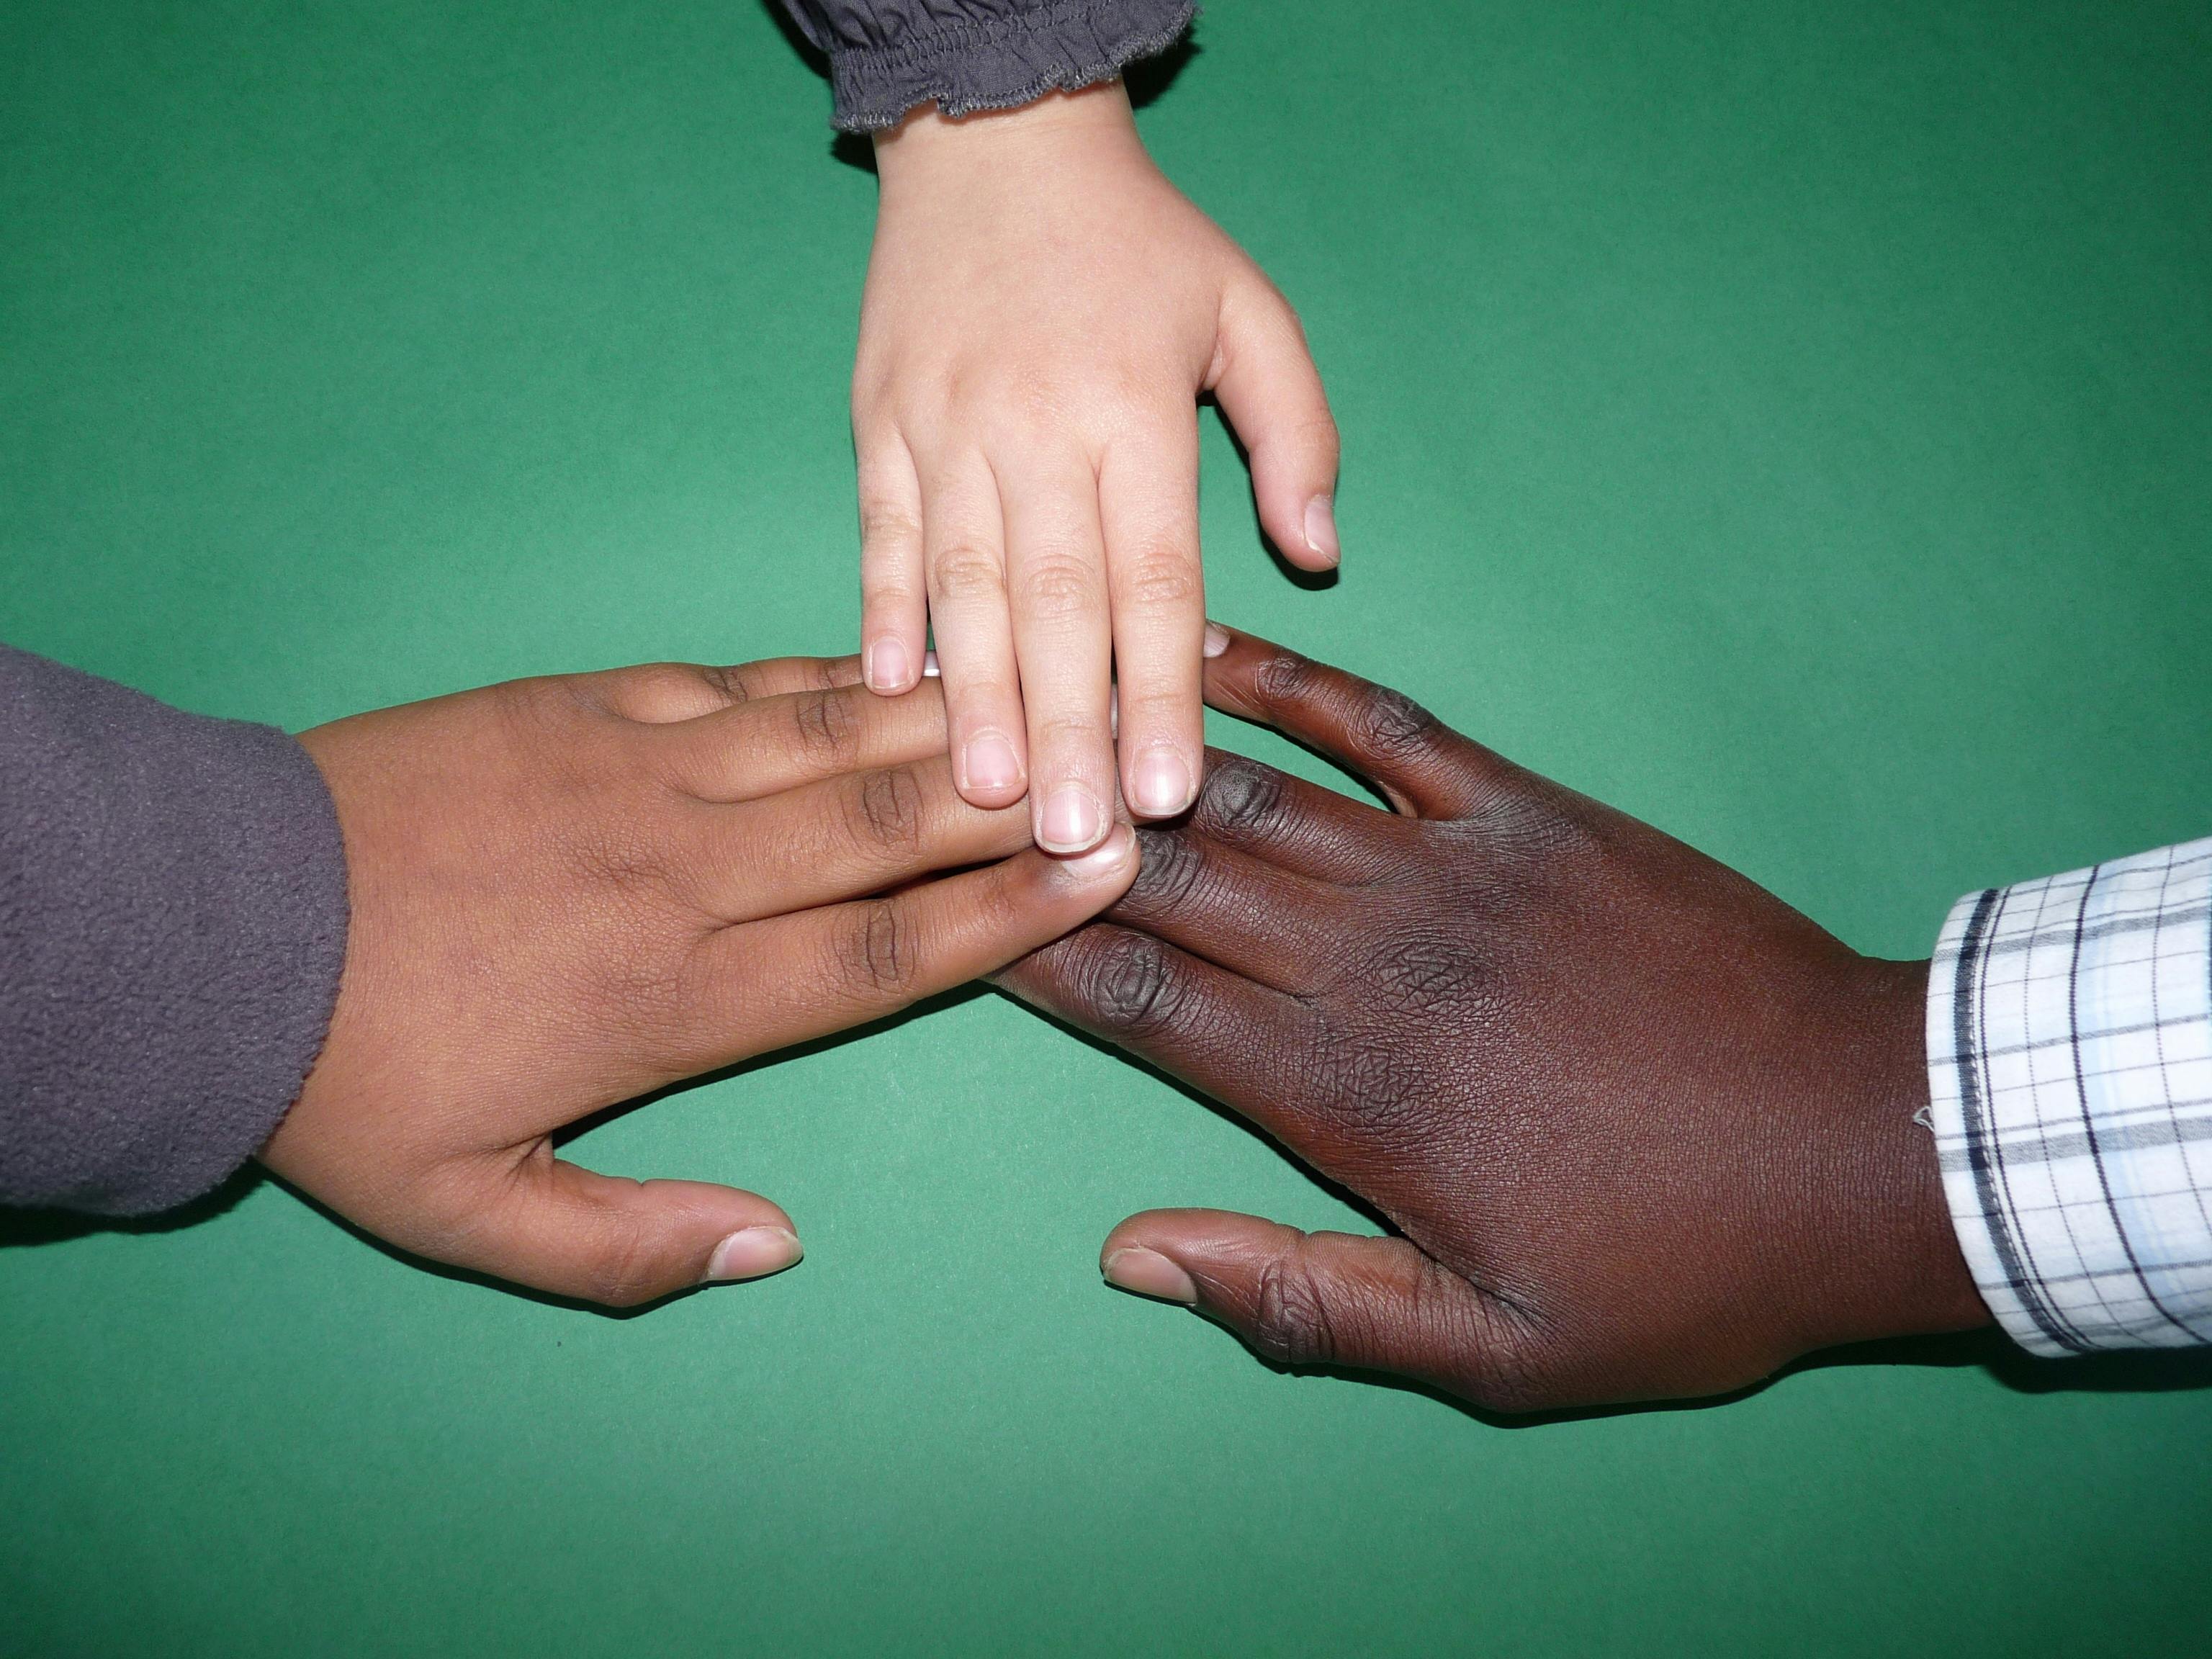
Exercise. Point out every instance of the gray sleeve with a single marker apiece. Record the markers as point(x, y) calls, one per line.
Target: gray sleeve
point(887, 55)
point(173, 921)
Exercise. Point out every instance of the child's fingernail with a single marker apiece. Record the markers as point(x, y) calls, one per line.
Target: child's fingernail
point(929, 668)
point(992, 763)
point(1216, 639)
point(887, 668)
point(1321, 527)
point(1163, 783)
point(1072, 821)
point(752, 1253)
point(1150, 1273)
point(1104, 859)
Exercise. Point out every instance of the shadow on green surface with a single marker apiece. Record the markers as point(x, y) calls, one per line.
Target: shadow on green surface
point(23, 1228)
point(2145, 1372)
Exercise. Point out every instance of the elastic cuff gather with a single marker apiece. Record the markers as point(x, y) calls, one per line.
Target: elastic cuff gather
point(966, 67)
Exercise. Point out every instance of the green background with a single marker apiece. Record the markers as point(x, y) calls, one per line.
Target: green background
point(1792, 423)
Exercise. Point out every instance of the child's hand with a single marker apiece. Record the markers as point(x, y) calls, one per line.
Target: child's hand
point(1043, 309)
point(567, 892)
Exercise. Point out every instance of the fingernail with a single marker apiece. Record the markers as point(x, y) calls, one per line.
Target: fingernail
point(930, 671)
point(1150, 1273)
point(991, 762)
point(1107, 859)
point(1321, 527)
point(1072, 821)
point(1163, 783)
point(887, 668)
point(1216, 639)
point(752, 1253)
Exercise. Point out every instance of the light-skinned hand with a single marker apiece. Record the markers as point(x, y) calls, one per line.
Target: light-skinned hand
point(1642, 1129)
point(1043, 310)
point(567, 892)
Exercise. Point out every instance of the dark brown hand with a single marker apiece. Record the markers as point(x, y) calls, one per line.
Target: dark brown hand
point(1645, 1130)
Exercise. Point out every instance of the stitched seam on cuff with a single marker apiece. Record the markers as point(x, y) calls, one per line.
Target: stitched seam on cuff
point(876, 86)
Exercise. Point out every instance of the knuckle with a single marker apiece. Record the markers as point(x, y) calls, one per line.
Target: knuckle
point(1389, 722)
point(1420, 975)
point(536, 709)
point(1290, 1316)
point(1285, 679)
point(1036, 399)
point(885, 526)
point(887, 600)
point(884, 812)
point(876, 953)
point(967, 570)
point(1132, 394)
point(1171, 867)
point(1243, 799)
point(1163, 708)
point(1164, 580)
point(1068, 735)
point(1130, 984)
point(986, 699)
point(1057, 585)
point(664, 684)
point(1540, 825)
point(728, 683)
point(825, 727)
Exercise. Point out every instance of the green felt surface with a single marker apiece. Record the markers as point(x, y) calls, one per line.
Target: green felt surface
point(1793, 423)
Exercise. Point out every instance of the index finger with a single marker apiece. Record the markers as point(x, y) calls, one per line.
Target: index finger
point(1427, 769)
point(811, 973)
point(1236, 1039)
point(662, 693)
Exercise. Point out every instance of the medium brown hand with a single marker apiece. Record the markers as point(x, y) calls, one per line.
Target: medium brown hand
point(567, 892)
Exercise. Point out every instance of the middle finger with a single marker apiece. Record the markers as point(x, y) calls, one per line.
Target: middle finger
point(1063, 635)
point(844, 838)
point(773, 743)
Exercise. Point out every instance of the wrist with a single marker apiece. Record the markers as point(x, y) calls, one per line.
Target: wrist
point(1882, 1256)
point(1060, 126)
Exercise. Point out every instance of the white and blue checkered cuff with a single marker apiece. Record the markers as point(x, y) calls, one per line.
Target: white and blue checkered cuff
point(2069, 1056)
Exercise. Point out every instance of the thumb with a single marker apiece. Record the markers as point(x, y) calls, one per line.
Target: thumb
point(1325, 1298)
point(556, 1227)
point(1267, 384)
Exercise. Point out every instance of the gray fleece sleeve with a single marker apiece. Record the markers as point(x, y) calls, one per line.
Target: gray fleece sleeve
point(887, 55)
point(172, 922)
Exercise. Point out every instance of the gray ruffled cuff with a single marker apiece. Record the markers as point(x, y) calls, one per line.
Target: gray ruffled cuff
point(172, 925)
point(997, 63)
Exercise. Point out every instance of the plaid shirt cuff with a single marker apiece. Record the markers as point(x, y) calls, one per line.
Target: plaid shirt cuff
point(2069, 1057)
